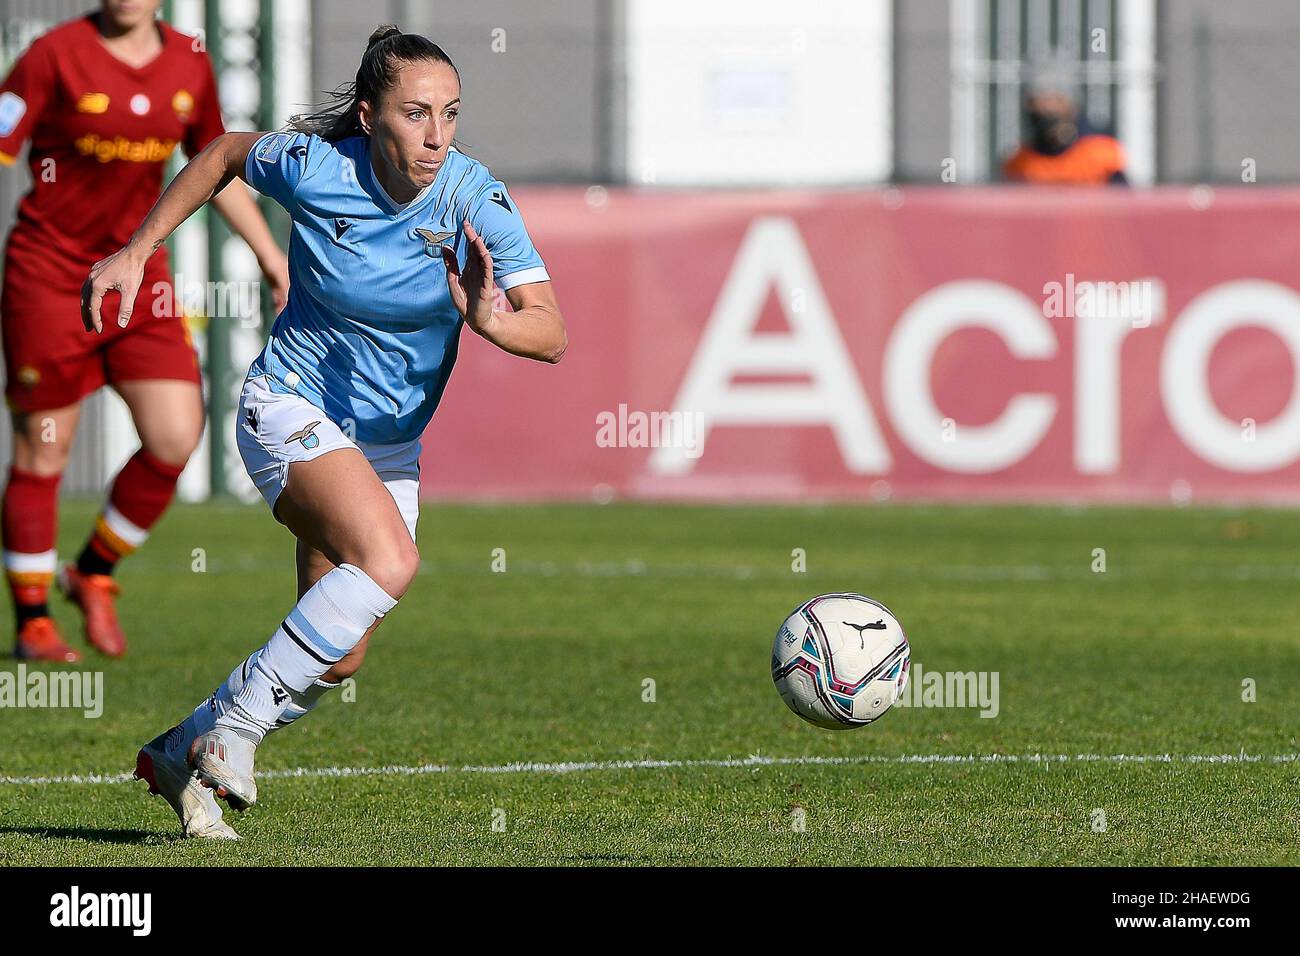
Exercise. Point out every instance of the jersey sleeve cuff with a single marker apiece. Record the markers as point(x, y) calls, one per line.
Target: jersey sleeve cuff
point(249, 160)
point(523, 277)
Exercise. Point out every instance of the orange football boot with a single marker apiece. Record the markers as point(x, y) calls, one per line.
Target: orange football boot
point(94, 594)
point(39, 640)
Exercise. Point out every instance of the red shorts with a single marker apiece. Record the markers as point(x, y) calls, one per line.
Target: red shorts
point(51, 361)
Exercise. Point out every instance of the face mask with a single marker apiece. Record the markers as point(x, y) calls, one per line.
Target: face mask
point(1051, 133)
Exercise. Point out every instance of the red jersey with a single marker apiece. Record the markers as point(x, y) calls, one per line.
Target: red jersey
point(101, 132)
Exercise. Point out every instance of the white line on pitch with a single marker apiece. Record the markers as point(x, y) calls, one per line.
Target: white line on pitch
point(751, 761)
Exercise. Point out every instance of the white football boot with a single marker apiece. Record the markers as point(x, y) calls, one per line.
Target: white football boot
point(223, 760)
point(161, 763)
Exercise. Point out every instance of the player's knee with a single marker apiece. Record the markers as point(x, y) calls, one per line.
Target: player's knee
point(175, 447)
point(393, 566)
point(45, 462)
point(44, 454)
point(406, 564)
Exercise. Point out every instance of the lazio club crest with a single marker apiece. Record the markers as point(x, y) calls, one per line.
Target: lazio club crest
point(433, 241)
point(306, 435)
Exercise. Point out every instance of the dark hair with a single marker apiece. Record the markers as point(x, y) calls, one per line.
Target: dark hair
point(338, 118)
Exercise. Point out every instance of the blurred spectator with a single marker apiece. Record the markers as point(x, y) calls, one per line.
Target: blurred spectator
point(1062, 148)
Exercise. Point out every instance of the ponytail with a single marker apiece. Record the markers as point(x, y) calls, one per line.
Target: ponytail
point(388, 48)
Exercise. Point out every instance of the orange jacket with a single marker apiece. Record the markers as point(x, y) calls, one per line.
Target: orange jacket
point(1092, 160)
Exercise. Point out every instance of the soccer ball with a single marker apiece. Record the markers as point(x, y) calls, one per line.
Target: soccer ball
point(840, 660)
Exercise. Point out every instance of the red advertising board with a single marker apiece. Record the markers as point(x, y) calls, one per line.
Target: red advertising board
point(906, 343)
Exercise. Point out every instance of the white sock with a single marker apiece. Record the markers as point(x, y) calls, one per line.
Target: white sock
point(222, 699)
point(327, 622)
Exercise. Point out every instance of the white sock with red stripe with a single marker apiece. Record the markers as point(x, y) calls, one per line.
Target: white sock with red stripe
point(327, 622)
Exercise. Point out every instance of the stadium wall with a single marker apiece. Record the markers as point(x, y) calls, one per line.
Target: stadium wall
point(911, 343)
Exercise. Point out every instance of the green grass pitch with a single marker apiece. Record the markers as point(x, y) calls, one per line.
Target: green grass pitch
point(547, 663)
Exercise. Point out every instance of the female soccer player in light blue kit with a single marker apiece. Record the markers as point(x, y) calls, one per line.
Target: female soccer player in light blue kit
point(397, 240)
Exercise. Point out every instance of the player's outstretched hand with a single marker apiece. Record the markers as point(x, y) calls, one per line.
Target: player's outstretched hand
point(471, 288)
point(122, 272)
point(276, 273)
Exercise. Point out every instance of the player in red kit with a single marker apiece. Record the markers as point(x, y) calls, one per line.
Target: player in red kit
point(105, 100)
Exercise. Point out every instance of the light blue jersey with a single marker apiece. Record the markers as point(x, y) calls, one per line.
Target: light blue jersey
point(369, 334)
